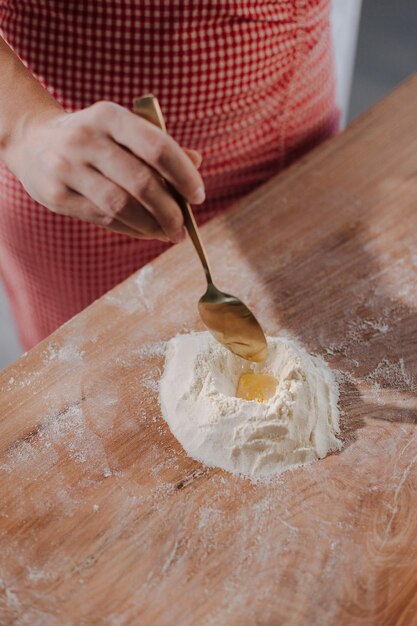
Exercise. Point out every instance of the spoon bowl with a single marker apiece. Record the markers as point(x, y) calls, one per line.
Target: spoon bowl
point(231, 322)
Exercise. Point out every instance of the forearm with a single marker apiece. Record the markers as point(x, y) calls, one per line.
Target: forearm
point(22, 98)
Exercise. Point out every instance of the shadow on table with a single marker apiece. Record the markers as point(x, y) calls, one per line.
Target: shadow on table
point(338, 302)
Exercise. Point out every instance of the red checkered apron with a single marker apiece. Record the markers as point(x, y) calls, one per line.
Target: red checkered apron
point(248, 83)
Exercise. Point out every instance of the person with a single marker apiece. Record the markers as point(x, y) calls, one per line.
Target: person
point(246, 87)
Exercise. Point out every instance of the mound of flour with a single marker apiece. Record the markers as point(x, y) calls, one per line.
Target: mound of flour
point(297, 425)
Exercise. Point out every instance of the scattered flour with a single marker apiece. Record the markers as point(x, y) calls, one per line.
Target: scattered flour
point(143, 293)
point(12, 600)
point(393, 375)
point(70, 353)
point(297, 425)
point(158, 348)
point(67, 353)
point(142, 280)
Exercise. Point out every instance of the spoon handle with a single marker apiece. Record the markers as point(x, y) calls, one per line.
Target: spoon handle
point(148, 108)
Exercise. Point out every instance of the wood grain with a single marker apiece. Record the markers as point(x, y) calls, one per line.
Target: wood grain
point(103, 518)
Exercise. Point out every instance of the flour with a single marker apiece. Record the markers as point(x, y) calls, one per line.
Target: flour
point(143, 280)
point(297, 425)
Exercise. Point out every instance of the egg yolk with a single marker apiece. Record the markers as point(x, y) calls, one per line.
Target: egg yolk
point(259, 387)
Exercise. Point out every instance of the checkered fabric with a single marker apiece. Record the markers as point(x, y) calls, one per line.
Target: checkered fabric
point(248, 83)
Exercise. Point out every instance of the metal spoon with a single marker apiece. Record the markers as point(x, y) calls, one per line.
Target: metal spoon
point(226, 317)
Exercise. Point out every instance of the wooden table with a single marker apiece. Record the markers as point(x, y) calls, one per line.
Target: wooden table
point(104, 520)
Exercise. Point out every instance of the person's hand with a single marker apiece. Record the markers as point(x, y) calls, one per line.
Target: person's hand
point(106, 165)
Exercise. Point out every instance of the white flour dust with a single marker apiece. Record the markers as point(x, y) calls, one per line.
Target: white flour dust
point(68, 353)
point(297, 425)
point(143, 280)
point(144, 292)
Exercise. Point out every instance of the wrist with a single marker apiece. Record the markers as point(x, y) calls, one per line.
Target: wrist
point(14, 142)
point(23, 100)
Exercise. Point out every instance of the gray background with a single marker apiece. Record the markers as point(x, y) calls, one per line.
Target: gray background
point(386, 55)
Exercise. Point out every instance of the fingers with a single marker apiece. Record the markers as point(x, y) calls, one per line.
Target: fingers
point(152, 145)
point(122, 229)
point(116, 207)
point(88, 212)
point(73, 204)
point(194, 155)
point(107, 165)
point(143, 184)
